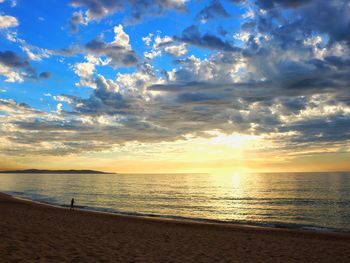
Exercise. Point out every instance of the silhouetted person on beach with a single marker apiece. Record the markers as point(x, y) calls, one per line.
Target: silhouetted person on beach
point(72, 204)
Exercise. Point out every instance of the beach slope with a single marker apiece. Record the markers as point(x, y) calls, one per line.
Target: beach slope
point(31, 232)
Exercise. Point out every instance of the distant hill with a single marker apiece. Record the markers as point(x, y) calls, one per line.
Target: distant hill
point(38, 171)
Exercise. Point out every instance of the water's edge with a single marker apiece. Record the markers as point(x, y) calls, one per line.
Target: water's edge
point(273, 225)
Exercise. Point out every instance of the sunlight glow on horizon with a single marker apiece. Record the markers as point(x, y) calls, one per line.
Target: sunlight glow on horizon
point(218, 154)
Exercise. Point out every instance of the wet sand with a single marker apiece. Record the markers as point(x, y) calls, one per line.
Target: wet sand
point(31, 232)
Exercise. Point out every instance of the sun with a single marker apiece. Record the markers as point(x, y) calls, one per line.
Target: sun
point(235, 140)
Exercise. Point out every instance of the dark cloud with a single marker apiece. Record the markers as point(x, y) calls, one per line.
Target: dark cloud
point(97, 9)
point(328, 17)
point(186, 86)
point(103, 100)
point(339, 62)
point(199, 97)
point(222, 31)
point(18, 64)
point(119, 55)
point(141, 8)
point(324, 17)
point(213, 10)
point(248, 25)
point(191, 35)
point(45, 75)
point(11, 59)
point(331, 129)
point(268, 4)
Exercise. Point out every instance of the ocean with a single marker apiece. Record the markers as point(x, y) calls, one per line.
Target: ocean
point(315, 201)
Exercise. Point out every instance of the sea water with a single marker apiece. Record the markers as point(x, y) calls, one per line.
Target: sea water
point(318, 201)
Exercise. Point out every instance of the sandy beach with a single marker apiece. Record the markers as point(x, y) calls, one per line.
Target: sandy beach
point(31, 232)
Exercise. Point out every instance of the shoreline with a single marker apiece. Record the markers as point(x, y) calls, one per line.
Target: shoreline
point(179, 219)
point(36, 232)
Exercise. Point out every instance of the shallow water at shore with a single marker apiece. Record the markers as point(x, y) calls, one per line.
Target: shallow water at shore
point(318, 201)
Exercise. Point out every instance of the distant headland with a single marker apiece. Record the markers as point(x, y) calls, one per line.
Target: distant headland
point(39, 171)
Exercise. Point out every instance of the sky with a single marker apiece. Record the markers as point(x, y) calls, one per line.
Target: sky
point(140, 86)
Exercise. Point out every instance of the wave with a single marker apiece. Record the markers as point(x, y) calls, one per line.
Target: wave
point(272, 224)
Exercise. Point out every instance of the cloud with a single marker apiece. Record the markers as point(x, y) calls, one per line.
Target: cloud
point(164, 44)
point(152, 54)
point(119, 51)
point(98, 52)
point(76, 20)
point(11, 59)
point(177, 50)
point(16, 68)
point(45, 75)
point(13, 67)
point(147, 39)
point(103, 100)
point(98, 9)
point(170, 46)
point(118, 96)
point(324, 17)
point(118, 55)
point(330, 17)
point(85, 71)
point(32, 52)
point(268, 4)
point(286, 80)
point(199, 97)
point(212, 11)
point(8, 22)
point(10, 75)
point(191, 35)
